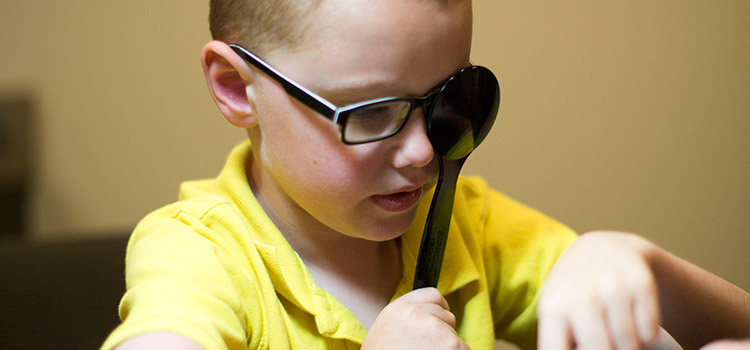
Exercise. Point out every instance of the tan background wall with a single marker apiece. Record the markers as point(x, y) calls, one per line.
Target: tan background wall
point(629, 115)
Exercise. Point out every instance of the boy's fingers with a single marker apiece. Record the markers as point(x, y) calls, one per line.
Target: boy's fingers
point(647, 316)
point(554, 334)
point(589, 330)
point(428, 295)
point(622, 326)
point(439, 312)
point(429, 300)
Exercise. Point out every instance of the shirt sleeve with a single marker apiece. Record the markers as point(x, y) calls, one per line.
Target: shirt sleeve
point(521, 246)
point(179, 280)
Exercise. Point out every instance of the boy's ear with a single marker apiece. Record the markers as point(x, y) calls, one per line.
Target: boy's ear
point(227, 76)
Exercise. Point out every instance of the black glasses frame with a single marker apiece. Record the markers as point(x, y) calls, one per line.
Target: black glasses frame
point(326, 108)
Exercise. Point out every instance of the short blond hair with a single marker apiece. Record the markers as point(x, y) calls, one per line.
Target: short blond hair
point(260, 25)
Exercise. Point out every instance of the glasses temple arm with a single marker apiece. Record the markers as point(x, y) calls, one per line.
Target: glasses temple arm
point(297, 91)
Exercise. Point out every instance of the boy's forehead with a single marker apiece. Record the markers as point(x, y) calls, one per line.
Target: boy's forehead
point(358, 47)
point(336, 20)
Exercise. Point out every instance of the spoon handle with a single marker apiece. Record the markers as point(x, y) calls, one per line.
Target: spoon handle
point(435, 234)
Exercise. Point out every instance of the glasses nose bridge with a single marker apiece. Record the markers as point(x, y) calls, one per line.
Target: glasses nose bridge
point(416, 104)
point(424, 102)
point(413, 139)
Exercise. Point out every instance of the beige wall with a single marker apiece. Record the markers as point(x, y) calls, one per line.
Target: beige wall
point(627, 115)
point(124, 111)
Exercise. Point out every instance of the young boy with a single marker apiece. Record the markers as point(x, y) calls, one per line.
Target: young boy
point(308, 237)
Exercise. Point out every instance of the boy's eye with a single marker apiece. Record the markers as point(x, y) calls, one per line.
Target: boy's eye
point(373, 112)
point(377, 120)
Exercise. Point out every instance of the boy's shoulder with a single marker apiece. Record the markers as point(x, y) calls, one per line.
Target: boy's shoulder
point(197, 208)
point(196, 198)
point(504, 219)
point(474, 192)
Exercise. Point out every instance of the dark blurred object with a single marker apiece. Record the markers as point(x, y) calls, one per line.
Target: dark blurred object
point(60, 295)
point(16, 163)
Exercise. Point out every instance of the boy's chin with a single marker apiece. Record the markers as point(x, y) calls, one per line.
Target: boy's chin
point(389, 229)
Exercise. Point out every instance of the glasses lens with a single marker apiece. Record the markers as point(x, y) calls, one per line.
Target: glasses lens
point(374, 121)
point(463, 112)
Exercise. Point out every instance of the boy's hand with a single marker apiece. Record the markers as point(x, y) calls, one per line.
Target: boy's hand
point(418, 320)
point(601, 294)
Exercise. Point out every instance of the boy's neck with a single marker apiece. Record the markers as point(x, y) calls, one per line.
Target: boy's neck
point(361, 274)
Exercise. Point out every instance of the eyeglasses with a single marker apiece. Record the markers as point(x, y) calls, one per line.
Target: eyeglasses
point(473, 89)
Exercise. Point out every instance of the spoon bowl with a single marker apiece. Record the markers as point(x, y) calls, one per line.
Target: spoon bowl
point(463, 112)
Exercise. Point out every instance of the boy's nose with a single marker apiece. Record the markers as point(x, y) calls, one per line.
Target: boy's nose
point(413, 147)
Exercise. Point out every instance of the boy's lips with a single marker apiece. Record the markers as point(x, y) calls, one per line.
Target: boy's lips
point(399, 201)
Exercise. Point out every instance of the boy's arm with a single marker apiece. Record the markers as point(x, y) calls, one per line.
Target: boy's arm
point(159, 341)
point(697, 306)
point(740, 344)
point(610, 289)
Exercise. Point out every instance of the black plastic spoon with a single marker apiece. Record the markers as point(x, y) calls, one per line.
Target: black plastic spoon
point(460, 118)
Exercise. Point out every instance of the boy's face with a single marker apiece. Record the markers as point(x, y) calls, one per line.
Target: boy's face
point(354, 50)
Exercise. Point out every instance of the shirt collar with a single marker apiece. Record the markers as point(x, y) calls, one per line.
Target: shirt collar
point(458, 269)
point(289, 275)
point(293, 280)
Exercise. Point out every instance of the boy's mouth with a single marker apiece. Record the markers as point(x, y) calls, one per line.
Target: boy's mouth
point(399, 201)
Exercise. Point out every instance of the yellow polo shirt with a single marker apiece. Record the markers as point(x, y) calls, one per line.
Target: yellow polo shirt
point(215, 268)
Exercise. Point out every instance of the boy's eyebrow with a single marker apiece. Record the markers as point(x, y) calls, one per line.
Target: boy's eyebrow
point(357, 91)
point(354, 92)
